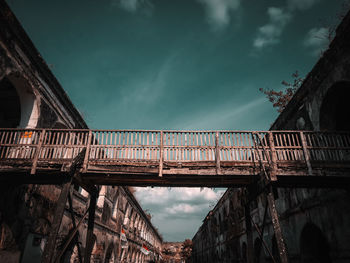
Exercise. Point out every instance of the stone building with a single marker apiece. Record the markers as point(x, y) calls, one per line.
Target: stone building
point(315, 222)
point(31, 97)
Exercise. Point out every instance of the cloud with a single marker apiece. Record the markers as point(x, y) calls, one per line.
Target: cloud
point(219, 11)
point(178, 212)
point(132, 6)
point(164, 203)
point(301, 4)
point(147, 89)
point(182, 208)
point(317, 40)
point(163, 195)
point(270, 33)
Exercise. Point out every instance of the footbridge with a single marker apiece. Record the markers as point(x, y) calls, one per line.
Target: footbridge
point(175, 158)
point(257, 160)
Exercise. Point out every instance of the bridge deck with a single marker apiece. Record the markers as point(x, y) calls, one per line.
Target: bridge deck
point(175, 158)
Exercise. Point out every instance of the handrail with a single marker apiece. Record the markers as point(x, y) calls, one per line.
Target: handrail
point(168, 146)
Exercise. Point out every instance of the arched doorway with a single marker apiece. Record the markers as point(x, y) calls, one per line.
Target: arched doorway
point(258, 252)
point(110, 255)
point(18, 103)
point(10, 105)
point(314, 247)
point(335, 108)
point(275, 252)
point(244, 252)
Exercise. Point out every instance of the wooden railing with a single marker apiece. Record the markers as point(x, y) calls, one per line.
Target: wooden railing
point(48, 145)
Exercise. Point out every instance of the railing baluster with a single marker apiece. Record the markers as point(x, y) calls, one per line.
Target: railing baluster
point(217, 153)
point(36, 156)
point(161, 155)
point(273, 174)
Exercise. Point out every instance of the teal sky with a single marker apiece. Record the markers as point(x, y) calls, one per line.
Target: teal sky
point(176, 64)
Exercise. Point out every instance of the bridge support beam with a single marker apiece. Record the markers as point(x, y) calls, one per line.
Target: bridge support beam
point(50, 247)
point(282, 250)
point(90, 230)
point(248, 228)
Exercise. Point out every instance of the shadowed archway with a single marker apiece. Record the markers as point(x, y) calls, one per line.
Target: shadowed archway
point(314, 247)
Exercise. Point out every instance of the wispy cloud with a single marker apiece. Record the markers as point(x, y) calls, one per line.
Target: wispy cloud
point(219, 12)
point(148, 88)
point(145, 6)
point(316, 40)
point(219, 116)
point(270, 33)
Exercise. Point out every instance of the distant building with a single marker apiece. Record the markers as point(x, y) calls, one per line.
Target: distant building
point(31, 97)
point(171, 252)
point(315, 222)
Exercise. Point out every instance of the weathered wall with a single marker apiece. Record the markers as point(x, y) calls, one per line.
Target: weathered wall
point(31, 97)
point(314, 221)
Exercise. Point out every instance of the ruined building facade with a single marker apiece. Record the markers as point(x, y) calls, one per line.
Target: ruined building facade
point(31, 97)
point(315, 222)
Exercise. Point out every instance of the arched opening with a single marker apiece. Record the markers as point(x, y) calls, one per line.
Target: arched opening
point(244, 252)
point(275, 252)
point(335, 108)
point(110, 256)
point(314, 246)
point(71, 254)
point(10, 106)
point(258, 253)
point(18, 103)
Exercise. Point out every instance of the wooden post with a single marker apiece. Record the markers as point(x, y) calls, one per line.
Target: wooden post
point(70, 238)
point(161, 155)
point(260, 234)
point(248, 227)
point(276, 226)
point(87, 153)
point(306, 153)
point(50, 246)
point(273, 164)
point(90, 230)
point(37, 152)
point(217, 153)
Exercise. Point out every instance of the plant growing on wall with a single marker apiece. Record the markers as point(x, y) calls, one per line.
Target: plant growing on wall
point(280, 99)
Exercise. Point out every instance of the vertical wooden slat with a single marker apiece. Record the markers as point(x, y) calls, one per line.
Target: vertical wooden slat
point(217, 153)
point(273, 173)
point(87, 153)
point(161, 155)
point(36, 156)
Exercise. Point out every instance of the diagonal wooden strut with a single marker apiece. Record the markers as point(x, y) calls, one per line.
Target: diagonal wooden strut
point(50, 246)
point(269, 176)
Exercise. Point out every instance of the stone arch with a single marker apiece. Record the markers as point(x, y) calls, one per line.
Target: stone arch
point(258, 251)
point(10, 105)
point(110, 254)
point(71, 253)
point(95, 250)
point(20, 104)
point(335, 108)
point(244, 252)
point(275, 252)
point(314, 246)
